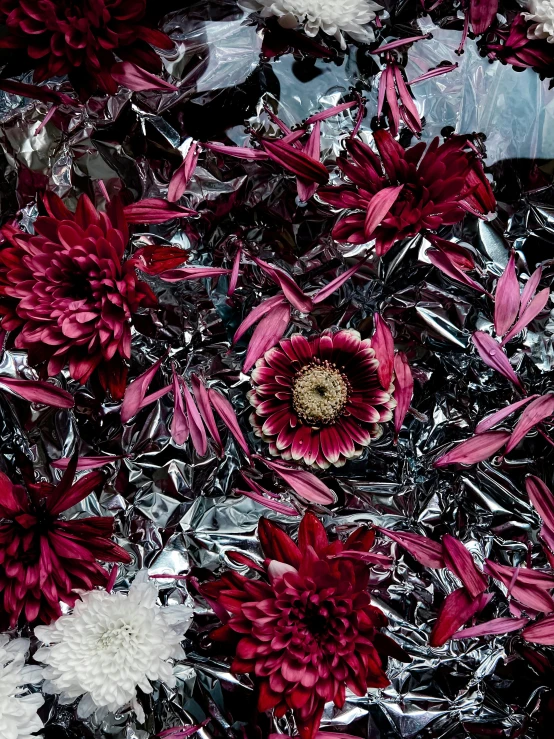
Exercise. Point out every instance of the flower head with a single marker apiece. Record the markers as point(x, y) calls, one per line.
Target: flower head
point(404, 191)
point(44, 558)
point(309, 631)
point(349, 17)
point(541, 17)
point(81, 37)
point(70, 295)
point(319, 400)
point(18, 706)
point(111, 645)
point(522, 48)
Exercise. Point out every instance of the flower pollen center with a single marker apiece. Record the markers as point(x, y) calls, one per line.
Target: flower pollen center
point(319, 393)
point(118, 635)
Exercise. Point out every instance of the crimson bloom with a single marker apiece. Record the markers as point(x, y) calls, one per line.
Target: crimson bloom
point(68, 293)
point(81, 37)
point(44, 558)
point(310, 632)
point(319, 400)
point(402, 192)
point(514, 46)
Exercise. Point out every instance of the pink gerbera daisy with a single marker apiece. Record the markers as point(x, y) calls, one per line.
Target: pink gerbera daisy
point(319, 400)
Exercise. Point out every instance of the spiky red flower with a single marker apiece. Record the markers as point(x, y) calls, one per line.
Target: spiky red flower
point(311, 631)
point(68, 293)
point(44, 559)
point(404, 191)
point(81, 36)
point(319, 400)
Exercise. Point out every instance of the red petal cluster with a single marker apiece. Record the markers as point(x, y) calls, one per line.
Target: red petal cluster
point(70, 295)
point(45, 559)
point(319, 400)
point(72, 36)
point(429, 188)
point(513, 46)
point(311, 631)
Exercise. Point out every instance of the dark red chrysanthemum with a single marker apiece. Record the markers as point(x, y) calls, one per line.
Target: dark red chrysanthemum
point(68, 293)
point(514, 46)
point(44, 559)
point(404, 191)
point(82, 36)
point(319, 400)
point(310, 632)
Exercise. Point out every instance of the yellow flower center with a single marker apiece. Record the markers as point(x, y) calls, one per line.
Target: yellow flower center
point(319, 393)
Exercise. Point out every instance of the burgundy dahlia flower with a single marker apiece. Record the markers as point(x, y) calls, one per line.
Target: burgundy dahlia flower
point(404, 191)
point(515, 45)
point(319, 400)
point(45, 559)
point(69, 295)
point(82, 37)
point(309, 631)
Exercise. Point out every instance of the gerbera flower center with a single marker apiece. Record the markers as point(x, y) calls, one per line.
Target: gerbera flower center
point(319, 393)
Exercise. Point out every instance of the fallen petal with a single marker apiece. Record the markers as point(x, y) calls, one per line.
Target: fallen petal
point(403, 389)
point(36, 391)
point(536, 411)
point(474, 450)
point(492, 628)
point(492, 355)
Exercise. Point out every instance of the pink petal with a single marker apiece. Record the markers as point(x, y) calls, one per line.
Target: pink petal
point(537, 411)
point(43, 93)
point(197, 431)
point(542, 499)
point(179, 423)
point(240, 152)
point(312, 148)
point(541, 632)
point(506, 298)
point(154, 210)
point(277, 569)
point(227, 414)
point(330, 112)
point(296, 161)
point(85, 463)
point(404, 389)
point(474, 450)
point(456, 254)
point(182, 174)
point(482, 14)
point(136, 391)
point(234, 274)
point(193, 273)
point(530, 289)
point(153, 397)
point(292, 292)
point(407, 100)
point(529, 314)
point(267, 333)
point(456, 609)
point(494, 418)
point(258, 312)
point(137, 79)
point(368, 557)
point(444, 69)
point(379, 206)
point(441, 261)
point(492, 628)
point(460, 562)
point(273, 505)
point(334, 285)
point(36, 391)
point(425, 551)
point(205, 409)
point(397, 43)
point(306, 485)
point(492, 355)
point(383, 346)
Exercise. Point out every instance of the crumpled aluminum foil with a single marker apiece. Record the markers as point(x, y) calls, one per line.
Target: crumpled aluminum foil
point(177, 514)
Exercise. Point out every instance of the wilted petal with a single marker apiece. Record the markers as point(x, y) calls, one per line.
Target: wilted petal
point(240, 152)
point(474, 450)
point(530, 288)
point(403, 389)
point(296, 161)
point(233, 279)
point(36, 391)
point(205, 409)
point(324, 114)
point(535, 412)
point(492, 354)
point(256, 313)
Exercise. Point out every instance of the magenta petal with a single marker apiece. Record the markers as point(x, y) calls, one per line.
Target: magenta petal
point(474, 450)
point(267, 333)
point(427, 552)
point(154, 210)
point(457, 608)
point(535, 307)
point(36, 391)
point(542, 499)
point(379, 206)
point(492, 628)
point(136, 391)
point(541, 632)
point(197, 431)
point(227, 414)
point(292, 292)
point(192, 273)
point(494, 418)
point(205, 409)
point(404, 389)
point(182, 174)
point(460, 562)
point(179, 424)
point(85, 463)
point(506, 298)
point(137, 79)
point(537, 411)
point(481, 14)
point(306, 485)
point(339, 281)
point(256, 313)
point(492, 354)
point(440, 260)
point(383, 346)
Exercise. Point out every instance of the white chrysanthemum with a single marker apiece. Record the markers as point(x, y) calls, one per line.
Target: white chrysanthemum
point(541, 15)
point(333, 17)
point(18, 707)
point(111, 644)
